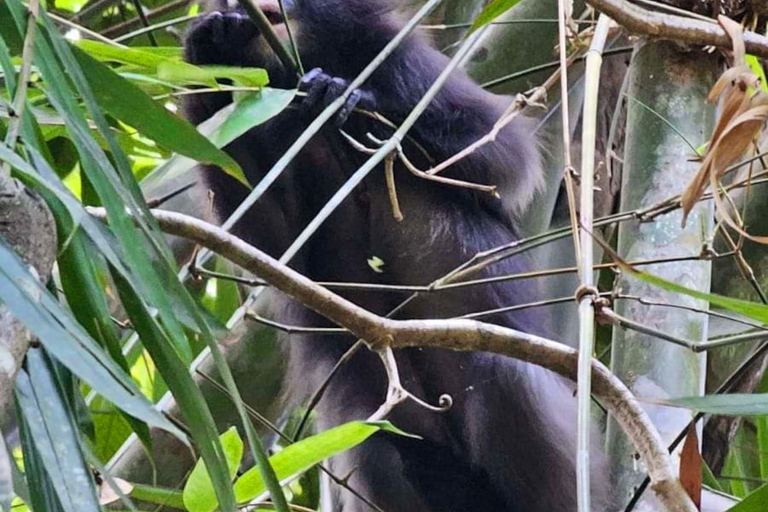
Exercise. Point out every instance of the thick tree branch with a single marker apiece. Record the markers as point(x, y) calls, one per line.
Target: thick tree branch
point(676, 28)
point(461, 335)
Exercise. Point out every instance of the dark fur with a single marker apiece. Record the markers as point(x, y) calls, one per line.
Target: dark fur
point(508, 443)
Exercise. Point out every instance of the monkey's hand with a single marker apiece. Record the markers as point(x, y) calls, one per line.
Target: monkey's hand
point(221, 38)
point(323, 89)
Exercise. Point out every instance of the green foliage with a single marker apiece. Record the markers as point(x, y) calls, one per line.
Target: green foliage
point(306, 453)
point(493, 10)
point(199, 495)
point(755, 502)
point(291, 461)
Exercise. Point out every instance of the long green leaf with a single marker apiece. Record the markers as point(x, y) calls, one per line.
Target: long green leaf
point(42, 495)
point(191, 402)
point(128, 103)
point(753, 310)
point(183, 73)
point(735, 404)
point(304, 454)
point(198, 491)
point(755, 502)
point(492, 11)
point(250, 110)
point(117, 189)
point(79, 279)
point(52, 426)
point(144, 57)
point(66, 340)
point(223, 127)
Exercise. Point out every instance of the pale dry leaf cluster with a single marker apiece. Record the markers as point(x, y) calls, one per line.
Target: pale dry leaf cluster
point(743, 113)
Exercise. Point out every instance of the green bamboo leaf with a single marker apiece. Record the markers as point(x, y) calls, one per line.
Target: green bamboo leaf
point(79, 279)
point(753, 310)
point(53, 429)
point(188, 396)
point(754, 502)
point(114, 184)
point(128, 103)
point(42, 495)
point(304, 454)
point(66, 340)
point(198, 491)
point(249, 111)
point(147, 58)
point(183, 73)
point(735, 404)
point(492, 11)
point(166, 497)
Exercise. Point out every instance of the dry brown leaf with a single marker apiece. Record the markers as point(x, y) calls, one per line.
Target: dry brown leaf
point(736, 32)
point(736, 139)
point(735, 102)
point(690, 466)
point(696, 187)
point(728, 78)
point(741, 118)
point(108, 495)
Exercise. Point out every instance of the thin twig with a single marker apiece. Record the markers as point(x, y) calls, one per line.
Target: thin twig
point(294, 329)
point(126, 26)
point(20, 98)
point(693, 346)
point(257, 16)
point(144, 21)
point(83, 30)
point(157, 26)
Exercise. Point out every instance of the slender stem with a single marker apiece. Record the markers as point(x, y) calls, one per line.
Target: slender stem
point(156, 27)
point(20, 97)
point(588, 293)
point(251, 7)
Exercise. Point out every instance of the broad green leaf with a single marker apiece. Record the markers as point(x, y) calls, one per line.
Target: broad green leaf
point(158, 495)
point(252, 110)
point(755, 502)
point(306, 453)
point(183, 73)
point(131, 105)
point(55, 434)
point(140, 57)
point(492, 11)
point(198, 491)
point(66, 340)
point(70, 5)
point(189, 397)
point(735, 404)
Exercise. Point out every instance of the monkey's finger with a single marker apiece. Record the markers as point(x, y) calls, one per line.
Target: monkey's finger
point(347, 108)
point(309, 77)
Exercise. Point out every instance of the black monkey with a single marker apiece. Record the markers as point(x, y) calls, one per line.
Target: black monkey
point(508, 442)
